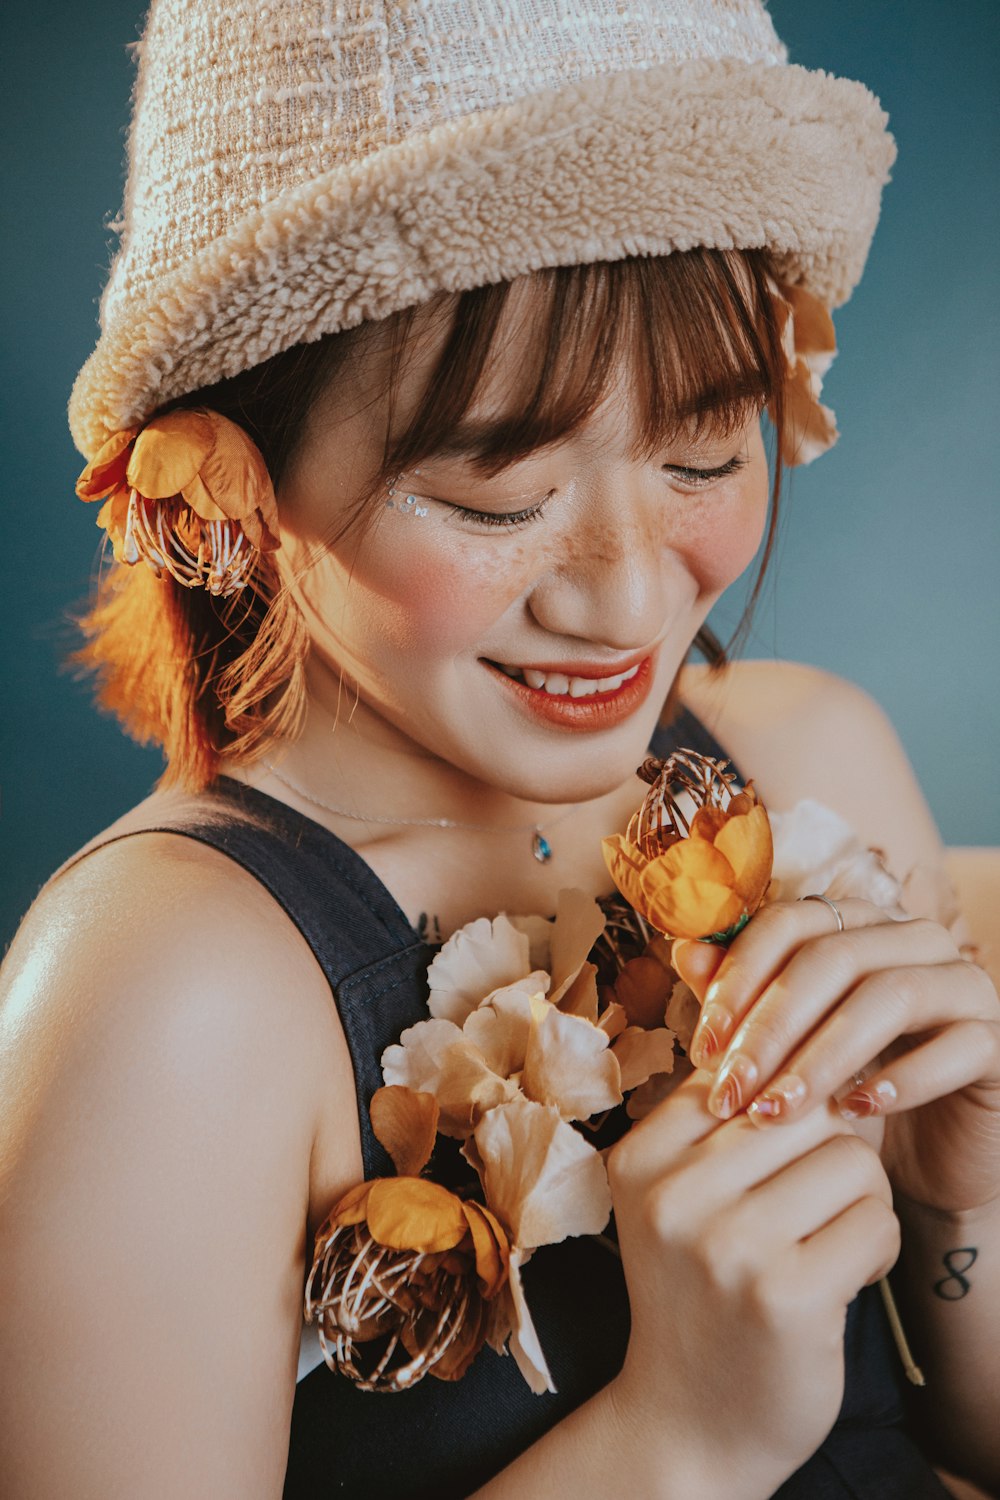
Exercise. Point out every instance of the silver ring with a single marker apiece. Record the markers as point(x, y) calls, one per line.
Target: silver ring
point(831, 904)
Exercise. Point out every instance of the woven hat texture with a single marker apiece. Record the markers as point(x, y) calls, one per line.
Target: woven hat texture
point(299, 166)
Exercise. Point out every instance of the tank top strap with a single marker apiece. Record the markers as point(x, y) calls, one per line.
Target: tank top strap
point(374, 961)
point(687, 732)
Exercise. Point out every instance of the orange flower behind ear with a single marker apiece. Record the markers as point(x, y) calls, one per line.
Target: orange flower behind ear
point(182, 492)
point(699, 880)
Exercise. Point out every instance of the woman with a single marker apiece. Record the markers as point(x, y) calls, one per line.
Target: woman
point(500, 314)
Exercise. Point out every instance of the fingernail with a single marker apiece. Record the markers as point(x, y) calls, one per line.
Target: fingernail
point(735, 1083)
point(779, 1100)
point(860, 1104)
point(710, 1035)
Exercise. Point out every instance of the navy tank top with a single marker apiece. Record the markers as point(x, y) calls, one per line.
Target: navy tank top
point(444, 1440)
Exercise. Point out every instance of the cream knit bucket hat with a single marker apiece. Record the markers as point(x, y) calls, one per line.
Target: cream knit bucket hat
point(299, 166)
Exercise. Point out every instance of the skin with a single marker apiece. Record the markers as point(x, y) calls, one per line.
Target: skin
point(193, 1122)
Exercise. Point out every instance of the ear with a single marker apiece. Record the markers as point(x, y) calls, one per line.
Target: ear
point(696, 963)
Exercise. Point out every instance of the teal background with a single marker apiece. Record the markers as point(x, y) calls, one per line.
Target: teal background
point(888, 562)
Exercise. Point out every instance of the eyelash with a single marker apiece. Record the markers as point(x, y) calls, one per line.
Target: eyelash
point(516, 518)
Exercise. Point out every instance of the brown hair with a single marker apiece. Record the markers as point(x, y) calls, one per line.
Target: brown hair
point(201, 676)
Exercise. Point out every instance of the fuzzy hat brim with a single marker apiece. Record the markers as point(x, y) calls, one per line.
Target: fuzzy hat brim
point(715, 153)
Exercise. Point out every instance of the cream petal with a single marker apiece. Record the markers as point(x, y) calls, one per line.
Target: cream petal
point(613, 1019)
point(816, 850)
point(683, 1011)
point(480, 957)
point(434, 1057)
point(524, 1343)
point(500, 1029)
point(866, 876)
point(541, 1178)
point(538, 931)
point(643, 1100)
point(641, 1053)
point(579, 998)
point(568, 1064)
point(579, 922)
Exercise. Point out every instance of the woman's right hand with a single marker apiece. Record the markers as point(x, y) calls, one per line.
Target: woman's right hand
point(742, 1249)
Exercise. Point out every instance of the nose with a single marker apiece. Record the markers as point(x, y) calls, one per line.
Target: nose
point(614, 580)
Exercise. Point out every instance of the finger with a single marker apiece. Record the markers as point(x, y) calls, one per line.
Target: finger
point(818, 1187)
point(901, 1001)
point(696, 963)
point(968, 1053)
point(853, 1250)
point(717, 1171)
point(757, 956)
point(811, 986)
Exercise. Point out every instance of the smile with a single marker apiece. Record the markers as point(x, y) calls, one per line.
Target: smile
point(559, 685)
point(575, 702)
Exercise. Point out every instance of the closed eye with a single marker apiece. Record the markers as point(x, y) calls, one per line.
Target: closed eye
point(697, 477)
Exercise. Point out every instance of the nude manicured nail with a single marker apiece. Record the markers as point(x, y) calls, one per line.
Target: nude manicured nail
point(734, 1084)
point(779, 1100)
point(860, 1104)
point(710, 1035)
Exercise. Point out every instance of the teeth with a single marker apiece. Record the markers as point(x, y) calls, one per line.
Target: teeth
point(559, 685)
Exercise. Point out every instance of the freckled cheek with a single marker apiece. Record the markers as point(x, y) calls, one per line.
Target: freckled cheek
point(437, 602)
point(720, 543)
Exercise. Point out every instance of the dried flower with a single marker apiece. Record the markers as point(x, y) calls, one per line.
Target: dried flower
point(404, 1267)
point(809, 344)
point(189, 493)
point(697, 879)
point(815, 849)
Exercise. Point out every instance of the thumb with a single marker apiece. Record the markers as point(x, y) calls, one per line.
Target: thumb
point(696, 963)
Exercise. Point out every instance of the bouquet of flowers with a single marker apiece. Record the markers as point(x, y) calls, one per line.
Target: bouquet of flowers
point(537, 1030)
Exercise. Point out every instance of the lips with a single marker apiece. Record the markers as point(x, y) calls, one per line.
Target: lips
point(599, 710)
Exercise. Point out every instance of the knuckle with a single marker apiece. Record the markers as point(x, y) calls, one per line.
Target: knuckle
point(981, 981)
point(622, 1161)
point(857, 1157)
point(931, 934)
point(768, 1295)
point(664, 1213)
point(895, 991)
point(886, 1235)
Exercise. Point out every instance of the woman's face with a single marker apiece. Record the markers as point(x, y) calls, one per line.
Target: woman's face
point(611, 566)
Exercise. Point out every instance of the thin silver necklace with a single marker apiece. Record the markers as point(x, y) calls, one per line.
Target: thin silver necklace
point(541, 848)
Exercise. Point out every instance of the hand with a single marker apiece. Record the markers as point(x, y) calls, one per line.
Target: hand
point(794, 1010)
point(741, 1250)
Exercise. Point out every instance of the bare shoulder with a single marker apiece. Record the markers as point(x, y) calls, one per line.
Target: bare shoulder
point(800, 732)
point(159, 932)
point(167, 1058)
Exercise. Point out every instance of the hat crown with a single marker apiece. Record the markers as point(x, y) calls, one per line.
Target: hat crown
point(236, 102)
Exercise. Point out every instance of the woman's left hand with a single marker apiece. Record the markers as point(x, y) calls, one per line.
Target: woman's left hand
point(796, 1010)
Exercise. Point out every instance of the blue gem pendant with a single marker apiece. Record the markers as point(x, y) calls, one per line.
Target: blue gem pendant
point(540, 847)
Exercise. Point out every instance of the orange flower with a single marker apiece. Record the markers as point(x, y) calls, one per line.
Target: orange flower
point(200, 475)
point(403, 1264)
point(411, 1213)
point(702, 884)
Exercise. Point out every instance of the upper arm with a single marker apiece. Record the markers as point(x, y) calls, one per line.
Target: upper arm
point(803, 732)
point(159, 1111)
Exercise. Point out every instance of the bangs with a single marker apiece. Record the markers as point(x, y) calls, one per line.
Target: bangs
point(696, 332)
